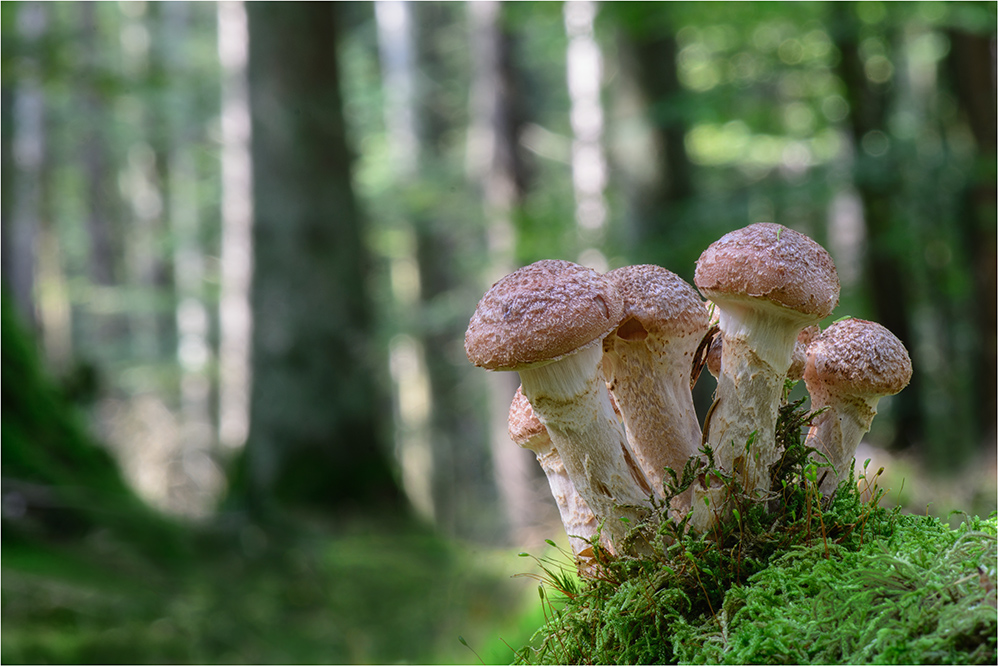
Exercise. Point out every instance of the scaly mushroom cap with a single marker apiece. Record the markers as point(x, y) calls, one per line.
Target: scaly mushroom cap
point(771, 262)
point(799, 360)
point(657, 302)
point(540, 313)
point(524, 426)
point(858, 358)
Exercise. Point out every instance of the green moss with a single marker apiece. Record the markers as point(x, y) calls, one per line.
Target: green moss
point(798, 579)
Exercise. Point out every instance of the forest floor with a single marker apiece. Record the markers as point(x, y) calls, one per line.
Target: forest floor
point(365, 591)
point(367, 594)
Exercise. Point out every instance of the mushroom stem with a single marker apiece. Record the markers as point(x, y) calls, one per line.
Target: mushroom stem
point(578, 519)
point(755, 356)
point(659, 417)
point(570, 398)
point(648, 360)
point(836, 433)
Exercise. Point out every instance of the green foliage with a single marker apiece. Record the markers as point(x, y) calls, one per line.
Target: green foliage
point(798, 579)
point(58, 482)
point(378, 591)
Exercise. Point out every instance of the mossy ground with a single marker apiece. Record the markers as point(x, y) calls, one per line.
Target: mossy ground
point(799, 579)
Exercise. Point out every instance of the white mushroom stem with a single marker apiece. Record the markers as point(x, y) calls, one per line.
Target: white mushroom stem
point(758, 344)
point(650, 379)
point(837, 432)
point(578, 519)
point(570, 398)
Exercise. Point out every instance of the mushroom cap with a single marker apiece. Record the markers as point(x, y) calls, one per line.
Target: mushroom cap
point(657, 302)
point(858, 357)
point(541, 313)
point(770, 262)
point(799, 359)
point(714, 356)
point(524, 425)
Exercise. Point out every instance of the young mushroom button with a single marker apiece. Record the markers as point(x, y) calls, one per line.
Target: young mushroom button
point(647, 361)
point(849, 368)
point(547, 322)
point(767, 282)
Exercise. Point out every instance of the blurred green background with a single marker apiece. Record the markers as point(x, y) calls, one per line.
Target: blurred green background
point(241, 244)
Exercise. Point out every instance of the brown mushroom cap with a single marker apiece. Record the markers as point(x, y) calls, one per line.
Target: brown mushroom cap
point(540, 313)
point(858, 357)
point(799, 360)
point(524, 425)
point(657, 301)
point(771, 262)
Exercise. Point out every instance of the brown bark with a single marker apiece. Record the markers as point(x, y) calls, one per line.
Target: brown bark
point(315, 435)
point(876, 182)
point(972, 72)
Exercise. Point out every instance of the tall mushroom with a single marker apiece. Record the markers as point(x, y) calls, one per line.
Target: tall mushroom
point(767, 282)
point(850, 366)
point(527, 431)
point(647, 362)
point(547, 322)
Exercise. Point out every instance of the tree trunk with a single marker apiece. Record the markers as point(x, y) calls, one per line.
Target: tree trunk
point(21, 216)
point(315, 435)
point(876, 183)
point(236, 244)
point(494, 161)
point(660, 177)
point(972, 71)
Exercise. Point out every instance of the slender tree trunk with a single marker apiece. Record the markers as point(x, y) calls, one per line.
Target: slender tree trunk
point(96, 159)
point(316, 411)
point(237, 217)
point(663, 188)
point(21, 219)
point(494, 161)
point(465, 491)
point(876, 183)
point(589, 169)
point(972, 71)
point(415, 440)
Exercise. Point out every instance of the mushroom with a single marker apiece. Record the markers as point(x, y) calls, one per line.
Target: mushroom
point(767, 282)
point(647, 362)
point(850, 366)
point(527, 431)
point(547, 322)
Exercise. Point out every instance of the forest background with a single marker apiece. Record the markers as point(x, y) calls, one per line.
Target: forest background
point(241, 244)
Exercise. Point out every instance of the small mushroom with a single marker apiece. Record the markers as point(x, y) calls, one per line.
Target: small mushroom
point(768, 282)
point(527, 431)
point(547, 322)
point(850, 366)
point(647, 361)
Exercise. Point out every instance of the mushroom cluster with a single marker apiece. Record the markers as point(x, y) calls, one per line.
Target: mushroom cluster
point(605, 365)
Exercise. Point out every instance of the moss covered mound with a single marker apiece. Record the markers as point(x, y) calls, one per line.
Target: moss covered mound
point(922, 594)
point(800, 579)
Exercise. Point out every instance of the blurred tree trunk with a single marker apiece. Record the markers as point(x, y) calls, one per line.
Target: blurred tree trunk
point(877, 182)
point(316, 409)
point(972, 72)
point(466, 489)
point(196, 483)
point(26, 133)
point(100, 188)
point(662, 183)
point(234, 318)
point(495, 162)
